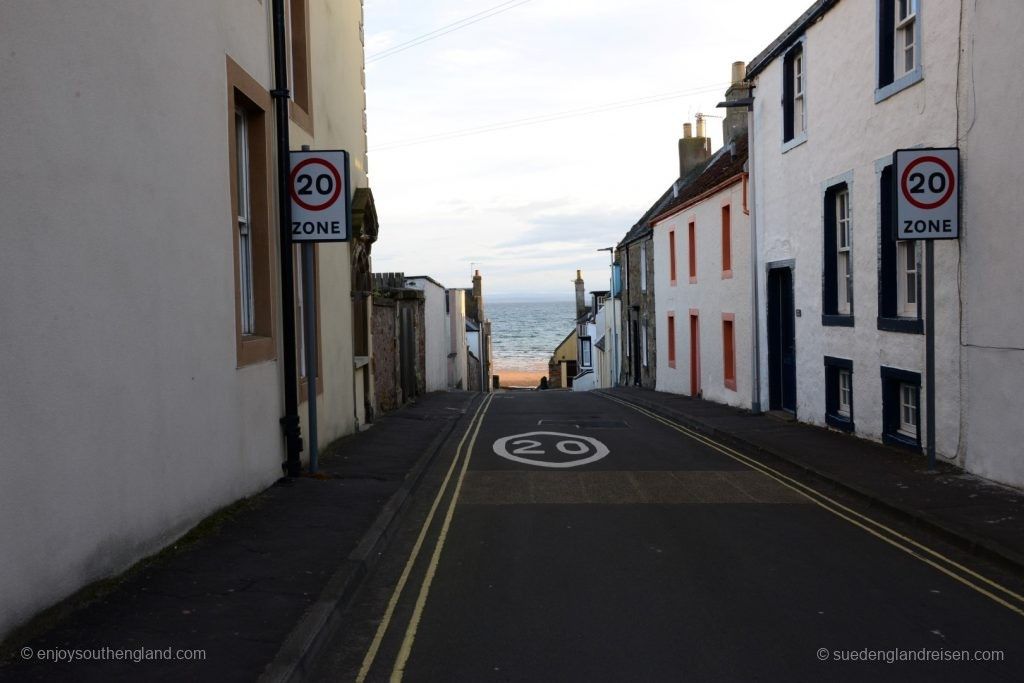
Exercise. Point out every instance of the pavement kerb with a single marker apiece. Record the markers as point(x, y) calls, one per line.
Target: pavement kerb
point(324, 616)
point(979, 546)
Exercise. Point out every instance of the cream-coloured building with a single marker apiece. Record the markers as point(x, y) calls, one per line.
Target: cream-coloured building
point(140, 295)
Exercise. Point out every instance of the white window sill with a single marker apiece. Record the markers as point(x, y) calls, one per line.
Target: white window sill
point(900, 84)
point(796, 141)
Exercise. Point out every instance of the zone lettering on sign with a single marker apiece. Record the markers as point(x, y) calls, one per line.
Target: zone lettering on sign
point(927, 193)
point(320, 196)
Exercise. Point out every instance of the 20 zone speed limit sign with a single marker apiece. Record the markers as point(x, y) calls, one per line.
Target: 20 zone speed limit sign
point(319, 189)
point(927, 194)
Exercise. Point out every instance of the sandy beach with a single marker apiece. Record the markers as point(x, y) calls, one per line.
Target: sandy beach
point(519, 378)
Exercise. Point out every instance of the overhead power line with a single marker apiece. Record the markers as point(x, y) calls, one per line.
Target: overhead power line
point(545, 118)
point(446, 29)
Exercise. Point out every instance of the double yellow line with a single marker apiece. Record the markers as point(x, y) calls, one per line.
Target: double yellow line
point(421, 599)
point(987, 587)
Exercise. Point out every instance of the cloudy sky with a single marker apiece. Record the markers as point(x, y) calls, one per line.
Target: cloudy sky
point(522, 136)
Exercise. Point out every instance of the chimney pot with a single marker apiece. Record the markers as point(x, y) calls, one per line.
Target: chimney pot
point(700, 128)
point(739, 71)
point(687, 130)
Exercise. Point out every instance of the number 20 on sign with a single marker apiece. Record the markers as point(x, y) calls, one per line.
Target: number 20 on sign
point(320, 196)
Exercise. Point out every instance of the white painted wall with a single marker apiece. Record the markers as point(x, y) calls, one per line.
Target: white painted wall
point(131, 421)
point(712, 295)
point(457, 338)
point(125, 419)
point(437, 333)
point(993, 279)
point(847, 133)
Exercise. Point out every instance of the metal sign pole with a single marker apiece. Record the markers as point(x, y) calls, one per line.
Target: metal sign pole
point(929, 311)
point(309, 304)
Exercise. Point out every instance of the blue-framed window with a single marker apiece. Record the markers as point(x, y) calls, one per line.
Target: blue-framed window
point(901, 407)
point(839, 393)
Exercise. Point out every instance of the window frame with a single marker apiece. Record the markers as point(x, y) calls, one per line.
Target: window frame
point(891, 317)
point(729, 350)
point(792, 135)
point(726, 210)
point(672, 257)
point(245, 95)
point(300, 77)
point(887, 23)
point(691, 240)
point(671, 339)
point(894, 382)
point(643, 340)
point(835, 415)
point(643, 265)
point(836, 310)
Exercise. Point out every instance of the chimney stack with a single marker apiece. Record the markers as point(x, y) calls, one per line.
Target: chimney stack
point(734, 125)
point(478, 294)
point(581, 297)
point(693, 151)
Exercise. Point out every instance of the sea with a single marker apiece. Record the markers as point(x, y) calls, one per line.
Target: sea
point(524, 334)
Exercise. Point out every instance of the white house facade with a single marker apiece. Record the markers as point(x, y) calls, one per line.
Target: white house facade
point(437, 332)
point(702, 284)
point(841, 328)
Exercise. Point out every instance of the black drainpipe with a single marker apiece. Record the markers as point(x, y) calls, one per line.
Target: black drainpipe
point(290, 421)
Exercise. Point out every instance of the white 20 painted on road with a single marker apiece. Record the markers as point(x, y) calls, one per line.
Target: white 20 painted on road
point(517, 446)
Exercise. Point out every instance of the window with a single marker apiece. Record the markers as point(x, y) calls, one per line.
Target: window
point(844, 264)
point(585, 352)
point(671, 340)
point(251, 234)
point(244, 206)
point(726, 241)
point(643, 266)
point(839, 393)
point(693, 251)
point(845, 393)
point(643, 339)
point(906, 265)
point(901, 401)
point(672, 256)
point(908, 410)
point(837, 278)
point(899, 46)
point(906, 40)
point(794, 96)
point(899, 284)
point(729, 350)
point(300, 108)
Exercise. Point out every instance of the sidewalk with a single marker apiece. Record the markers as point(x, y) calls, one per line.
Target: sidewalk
point(257, 589)
point(970, 511)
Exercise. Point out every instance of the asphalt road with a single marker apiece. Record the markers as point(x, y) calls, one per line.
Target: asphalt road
point(572, 538)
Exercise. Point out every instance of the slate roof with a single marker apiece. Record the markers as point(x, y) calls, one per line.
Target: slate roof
point(642, 228)
point(726, 163)
point(788, 37)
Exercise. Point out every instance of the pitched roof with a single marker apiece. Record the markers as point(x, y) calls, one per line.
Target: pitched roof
point(788, 37)
point(726, 163)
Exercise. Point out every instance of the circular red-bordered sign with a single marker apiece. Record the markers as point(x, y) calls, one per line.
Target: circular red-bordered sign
point(951, 182)
point(337, 184)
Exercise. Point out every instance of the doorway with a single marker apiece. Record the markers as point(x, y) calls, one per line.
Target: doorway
point(781, 340)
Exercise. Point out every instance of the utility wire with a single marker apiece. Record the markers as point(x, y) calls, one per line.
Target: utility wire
point(446, 29)
point(544, 118)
